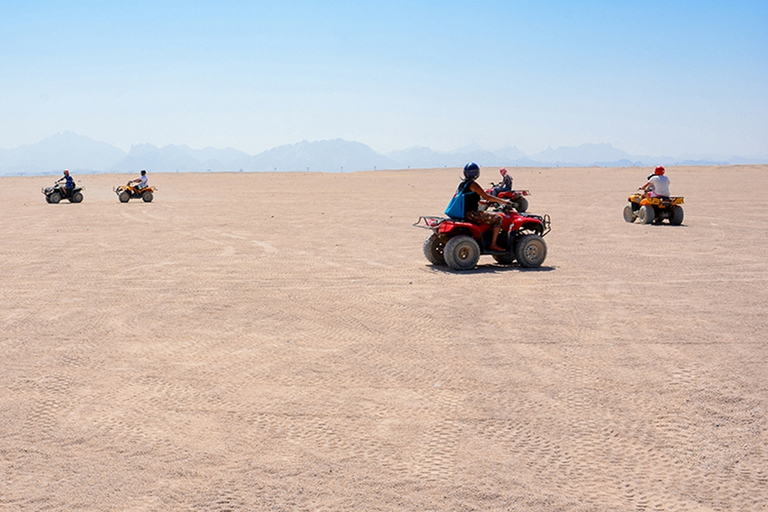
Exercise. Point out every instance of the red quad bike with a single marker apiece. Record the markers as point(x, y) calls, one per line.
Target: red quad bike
point(517, 197)
point(459, 243)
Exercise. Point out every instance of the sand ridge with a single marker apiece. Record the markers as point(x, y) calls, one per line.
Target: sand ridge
point(277, 341)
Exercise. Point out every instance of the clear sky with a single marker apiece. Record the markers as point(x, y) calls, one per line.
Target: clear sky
point(651, 77)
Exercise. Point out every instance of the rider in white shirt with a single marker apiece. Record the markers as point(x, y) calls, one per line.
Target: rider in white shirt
point(141, 181)
point(658, 184)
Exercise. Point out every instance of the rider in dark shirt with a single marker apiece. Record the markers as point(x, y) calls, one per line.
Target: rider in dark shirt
point(472, 195)
point(506, 182)
point(69, 182)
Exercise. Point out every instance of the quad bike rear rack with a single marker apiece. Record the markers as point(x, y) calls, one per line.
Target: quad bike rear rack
point(429, 222)
point(432, 222)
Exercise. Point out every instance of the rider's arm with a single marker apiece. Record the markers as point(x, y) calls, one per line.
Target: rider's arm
point(474, 187)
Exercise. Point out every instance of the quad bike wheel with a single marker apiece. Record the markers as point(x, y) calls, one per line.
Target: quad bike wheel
point(461, 253)
point(646, 214)
point(147, 196)
point(629, 215)
point(531, 251)
point(522, 205)
point(124, 196)
point(676, 216)
point(54, 198)
point(433, 247)
point(77, 197)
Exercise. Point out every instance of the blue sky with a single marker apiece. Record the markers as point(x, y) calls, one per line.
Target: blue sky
point(670, 77)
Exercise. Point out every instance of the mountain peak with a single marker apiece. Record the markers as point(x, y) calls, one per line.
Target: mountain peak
point(82, 154)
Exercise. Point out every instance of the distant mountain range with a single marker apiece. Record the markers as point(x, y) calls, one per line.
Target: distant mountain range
point(81, 154)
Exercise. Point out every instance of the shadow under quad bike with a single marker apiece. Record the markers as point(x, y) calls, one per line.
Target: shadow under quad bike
point(56, 193)
point(126, 192)
point(459, 243)
point(653, 210)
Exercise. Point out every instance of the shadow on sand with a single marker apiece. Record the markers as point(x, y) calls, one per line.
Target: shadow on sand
point(490, 268)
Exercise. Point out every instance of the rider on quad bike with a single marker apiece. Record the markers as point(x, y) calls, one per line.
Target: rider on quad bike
point(657, 185)
point(459, 240)
point(652, 203)
point(136, 188)
point(472, 193)
point(69, 182)
point(69, 190)
point(505, 185)
point(504, 191)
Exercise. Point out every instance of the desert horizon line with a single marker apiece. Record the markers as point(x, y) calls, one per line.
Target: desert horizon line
point(85, 155)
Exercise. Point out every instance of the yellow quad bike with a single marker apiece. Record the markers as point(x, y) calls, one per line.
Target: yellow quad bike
point(653, 210)
point(126, 192)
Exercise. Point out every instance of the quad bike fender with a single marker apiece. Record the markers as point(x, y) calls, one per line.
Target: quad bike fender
point(461, 226)
point(658, 201)
point(50, 190)
point(528, 222)
point(510, 194)
point(446, 226)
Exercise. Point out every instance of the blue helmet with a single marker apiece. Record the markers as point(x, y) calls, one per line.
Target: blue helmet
point(471, 171)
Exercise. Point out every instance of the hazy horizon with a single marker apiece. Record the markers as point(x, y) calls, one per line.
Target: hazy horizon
point(657, 78)
point(456, 150)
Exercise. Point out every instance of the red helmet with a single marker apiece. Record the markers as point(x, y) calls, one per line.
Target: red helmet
point(503, 171)
point(659, 170)
point(66, 171)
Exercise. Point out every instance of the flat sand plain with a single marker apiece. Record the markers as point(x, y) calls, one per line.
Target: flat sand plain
point(277, 341)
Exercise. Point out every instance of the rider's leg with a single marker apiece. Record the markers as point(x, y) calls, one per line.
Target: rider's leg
point(495, 237)
point(495, 233)
point(493, 220)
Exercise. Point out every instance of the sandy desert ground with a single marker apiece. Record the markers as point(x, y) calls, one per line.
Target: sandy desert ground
point(278, 342)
